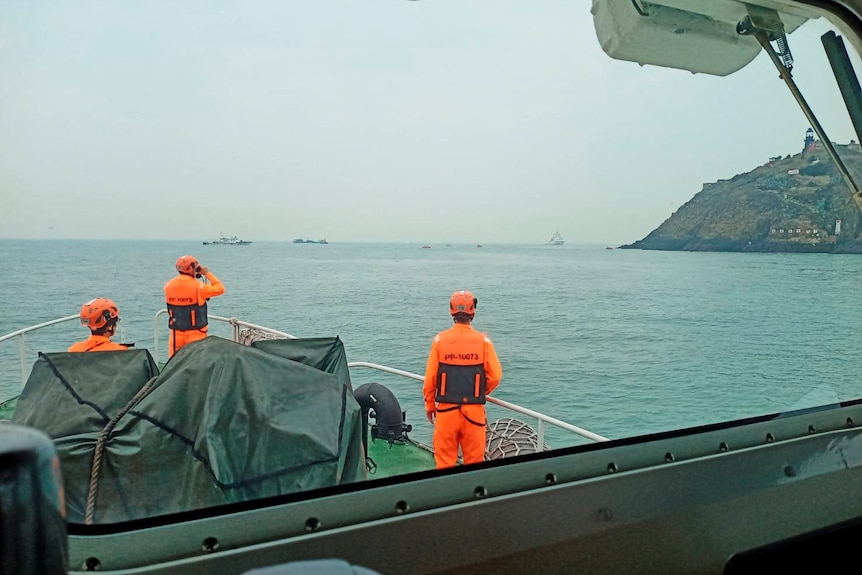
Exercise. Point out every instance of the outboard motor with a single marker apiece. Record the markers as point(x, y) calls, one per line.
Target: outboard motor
point(32, 510)
point(389, 418)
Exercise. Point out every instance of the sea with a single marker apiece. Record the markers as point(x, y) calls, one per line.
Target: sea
point(618, 342)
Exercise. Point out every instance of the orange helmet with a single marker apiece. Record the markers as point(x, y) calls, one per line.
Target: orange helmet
point(462, 301)
point(188, 265)
point(98, 313)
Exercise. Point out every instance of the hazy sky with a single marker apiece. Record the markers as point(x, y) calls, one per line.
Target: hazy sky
point(368, 120)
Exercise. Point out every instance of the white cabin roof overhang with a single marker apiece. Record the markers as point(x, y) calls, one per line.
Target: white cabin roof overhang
point(695, 35)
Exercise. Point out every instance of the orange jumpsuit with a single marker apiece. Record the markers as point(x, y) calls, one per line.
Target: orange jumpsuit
point(462, 368)
point(97, 343)
point(186, 299)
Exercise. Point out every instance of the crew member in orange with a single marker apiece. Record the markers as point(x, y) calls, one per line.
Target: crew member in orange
point(462, 369)
point(186, 299)
point(101, 316)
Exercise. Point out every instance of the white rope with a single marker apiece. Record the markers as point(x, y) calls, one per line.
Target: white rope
point(508, 437)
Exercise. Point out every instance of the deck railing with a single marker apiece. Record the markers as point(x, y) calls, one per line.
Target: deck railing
point(541, 418)
point(238, 325)
point(22, 345)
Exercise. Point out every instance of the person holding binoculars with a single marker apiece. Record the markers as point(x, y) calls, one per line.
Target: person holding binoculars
point(186, 299)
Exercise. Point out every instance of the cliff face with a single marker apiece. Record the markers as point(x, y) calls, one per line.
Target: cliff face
point(787, 205)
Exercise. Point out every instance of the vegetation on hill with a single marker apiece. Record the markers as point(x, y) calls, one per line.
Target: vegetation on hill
point(790, 204)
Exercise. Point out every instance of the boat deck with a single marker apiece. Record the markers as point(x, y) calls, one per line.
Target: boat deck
point(7, 408)
point(397, 459)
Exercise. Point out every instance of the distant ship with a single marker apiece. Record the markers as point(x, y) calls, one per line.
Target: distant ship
point(227, 241)
point(305, 241)
point(556, 239)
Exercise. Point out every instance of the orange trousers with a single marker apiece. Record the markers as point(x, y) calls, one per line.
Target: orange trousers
point(452, 429)
point(177, 339)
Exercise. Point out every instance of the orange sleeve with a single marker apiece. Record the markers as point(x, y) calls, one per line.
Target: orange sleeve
point(212, 289)
point(429, 389)
point(493, 369)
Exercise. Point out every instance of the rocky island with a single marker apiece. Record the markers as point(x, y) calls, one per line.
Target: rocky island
point(796, 203)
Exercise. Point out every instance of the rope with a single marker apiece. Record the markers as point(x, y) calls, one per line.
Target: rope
point(249, 335)
point(100, 448)
point(508, 437)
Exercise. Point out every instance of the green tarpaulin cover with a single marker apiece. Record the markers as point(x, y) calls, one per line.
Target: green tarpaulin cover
point(221, 423)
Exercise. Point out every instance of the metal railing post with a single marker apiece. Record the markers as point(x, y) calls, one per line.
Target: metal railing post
point(540, 430)
point(155, 352)
point(22, 358)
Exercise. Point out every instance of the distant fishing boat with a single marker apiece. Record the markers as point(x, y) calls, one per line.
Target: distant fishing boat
point(227, 241)
point(307, 241)
point(556, 239)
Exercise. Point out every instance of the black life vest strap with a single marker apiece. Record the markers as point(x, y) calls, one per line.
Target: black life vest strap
point(471, 421)
point(453, 408)
point(95, 346)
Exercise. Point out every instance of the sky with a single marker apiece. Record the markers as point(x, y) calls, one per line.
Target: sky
point(490, 121)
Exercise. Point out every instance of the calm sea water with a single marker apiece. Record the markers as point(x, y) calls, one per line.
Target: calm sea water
point(620, 342)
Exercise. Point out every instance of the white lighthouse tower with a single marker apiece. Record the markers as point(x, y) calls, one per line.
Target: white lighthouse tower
point(838, 227)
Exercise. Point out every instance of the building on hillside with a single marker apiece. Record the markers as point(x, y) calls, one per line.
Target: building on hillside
point(796, 232)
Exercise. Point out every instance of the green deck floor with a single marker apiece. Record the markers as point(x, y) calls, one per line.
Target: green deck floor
point(399, 459)
point(7, 408)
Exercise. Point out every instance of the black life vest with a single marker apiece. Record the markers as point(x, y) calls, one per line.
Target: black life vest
point(184, 312)
point(461, 368)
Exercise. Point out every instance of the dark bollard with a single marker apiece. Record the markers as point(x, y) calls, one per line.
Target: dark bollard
point(32, 507)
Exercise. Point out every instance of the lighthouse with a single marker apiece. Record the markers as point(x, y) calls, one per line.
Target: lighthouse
point(837, 227)
point(809, 140)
